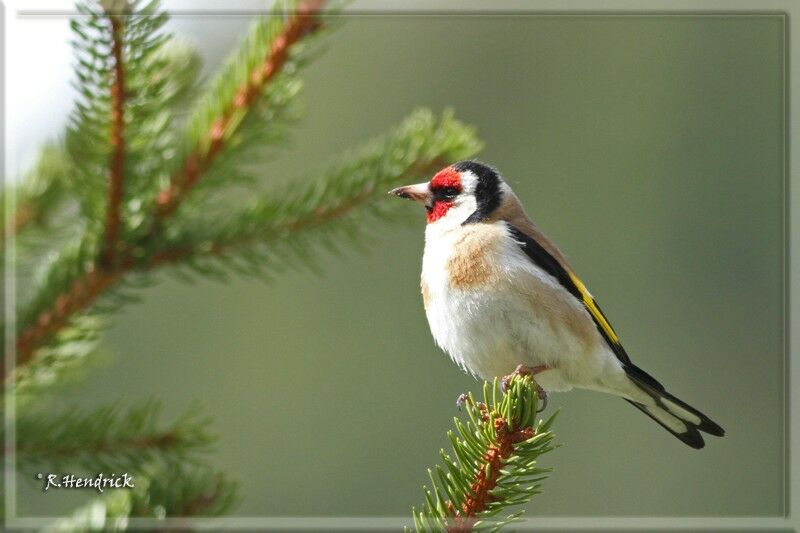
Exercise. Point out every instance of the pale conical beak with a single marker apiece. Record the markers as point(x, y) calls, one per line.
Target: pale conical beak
point(418, 192)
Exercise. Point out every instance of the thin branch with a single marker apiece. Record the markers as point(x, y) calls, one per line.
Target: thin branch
point(305, 21)
point(86, 289)
point(317, 218)
point(117, 164)
point(111, 437)
point(200, 504)
point(493, 460)
point(25, 215)
point(162, 441)
point(81, 295)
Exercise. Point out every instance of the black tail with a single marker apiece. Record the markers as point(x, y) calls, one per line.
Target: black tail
point(674, 415)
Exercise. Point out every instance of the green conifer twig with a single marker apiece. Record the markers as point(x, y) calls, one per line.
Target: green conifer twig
point(303, 21)
point(496, 452)
point(110, 438)
point(85, 288)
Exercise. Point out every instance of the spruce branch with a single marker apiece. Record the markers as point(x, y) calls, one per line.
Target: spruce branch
point(268, 234)
point(82, 277)
point(110, 438)
point(340, 206)
point(272, 40)
point(45, 192)
point(80, 295)
point(60, 362)
point(496, 452)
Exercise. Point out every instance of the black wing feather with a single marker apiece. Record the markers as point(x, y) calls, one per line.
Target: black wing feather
point(545, 260)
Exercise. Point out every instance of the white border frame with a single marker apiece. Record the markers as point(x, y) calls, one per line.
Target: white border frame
point(790, 521)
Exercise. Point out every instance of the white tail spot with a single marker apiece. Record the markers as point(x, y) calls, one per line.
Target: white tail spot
point(663, 416)
point(681, 412)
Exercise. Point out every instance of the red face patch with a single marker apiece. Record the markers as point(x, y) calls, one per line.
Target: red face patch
point(438, 210)
point(447, 177)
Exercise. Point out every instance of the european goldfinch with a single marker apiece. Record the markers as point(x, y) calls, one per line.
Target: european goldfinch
point(499, 294)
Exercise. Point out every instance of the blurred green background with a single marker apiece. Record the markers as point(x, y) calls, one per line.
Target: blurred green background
point(650, 148)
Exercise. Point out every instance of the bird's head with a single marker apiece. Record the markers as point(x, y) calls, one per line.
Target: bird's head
point(467, 191)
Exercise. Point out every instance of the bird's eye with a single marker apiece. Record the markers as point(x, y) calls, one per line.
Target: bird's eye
point(450, 192)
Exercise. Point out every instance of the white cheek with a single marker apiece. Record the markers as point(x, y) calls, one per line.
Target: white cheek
point(463, 208)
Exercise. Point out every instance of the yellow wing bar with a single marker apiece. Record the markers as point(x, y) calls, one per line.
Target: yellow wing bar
point(595, 311)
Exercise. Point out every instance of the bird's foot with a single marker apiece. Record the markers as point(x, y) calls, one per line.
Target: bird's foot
point(464, 399)
point(522, 370)
point(531, 371)
point(461, 400)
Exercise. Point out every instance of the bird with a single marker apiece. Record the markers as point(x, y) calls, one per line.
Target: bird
point(499, 296)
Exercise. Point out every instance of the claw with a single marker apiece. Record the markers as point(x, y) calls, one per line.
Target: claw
point(461, 400)
point(540, 392)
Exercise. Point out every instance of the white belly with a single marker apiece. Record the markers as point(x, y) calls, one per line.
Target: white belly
point(520, 317)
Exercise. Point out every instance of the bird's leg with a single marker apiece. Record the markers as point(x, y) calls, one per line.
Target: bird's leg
point(531, 371)
point(522, 370)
